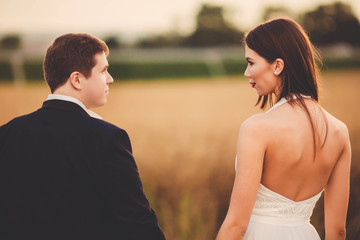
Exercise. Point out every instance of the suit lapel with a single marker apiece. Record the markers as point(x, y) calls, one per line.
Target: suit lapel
point(64, 105)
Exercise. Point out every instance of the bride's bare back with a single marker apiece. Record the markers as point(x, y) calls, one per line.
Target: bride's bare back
point(290, 166)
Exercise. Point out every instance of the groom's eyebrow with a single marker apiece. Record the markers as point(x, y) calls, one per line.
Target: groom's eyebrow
point(106, 67)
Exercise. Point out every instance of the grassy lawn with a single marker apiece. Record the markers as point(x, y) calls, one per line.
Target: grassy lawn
point(184, 136)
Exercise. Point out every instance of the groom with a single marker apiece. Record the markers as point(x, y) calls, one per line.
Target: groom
point(65, 174)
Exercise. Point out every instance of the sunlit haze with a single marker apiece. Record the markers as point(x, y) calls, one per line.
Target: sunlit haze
point(132, 18)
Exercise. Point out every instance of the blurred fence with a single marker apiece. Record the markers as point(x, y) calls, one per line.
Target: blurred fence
point(133, 63)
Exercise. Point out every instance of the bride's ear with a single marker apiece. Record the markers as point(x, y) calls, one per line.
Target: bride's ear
point(278, 66)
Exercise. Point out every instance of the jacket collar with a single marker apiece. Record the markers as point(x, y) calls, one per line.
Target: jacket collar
point(64, 105)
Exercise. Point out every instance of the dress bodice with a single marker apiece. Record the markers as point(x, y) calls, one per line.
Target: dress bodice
point(273, 207)
point(275, 217)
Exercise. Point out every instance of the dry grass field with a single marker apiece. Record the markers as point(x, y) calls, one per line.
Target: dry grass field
point(184, 135)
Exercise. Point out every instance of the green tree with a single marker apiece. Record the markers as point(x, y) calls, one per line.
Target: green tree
point(113, 42)
point(11, 42)
point(271, 12)
point(160, 41)
point(213, 29)
point(332, 23)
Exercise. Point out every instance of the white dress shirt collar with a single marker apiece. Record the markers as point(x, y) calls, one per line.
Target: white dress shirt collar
point(66, 98)
point(74, 100)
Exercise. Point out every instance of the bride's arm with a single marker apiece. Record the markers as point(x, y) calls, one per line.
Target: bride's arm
point(337, 193)
point(250, 154)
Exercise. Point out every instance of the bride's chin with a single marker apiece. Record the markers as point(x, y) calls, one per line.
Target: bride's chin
point(262, 93)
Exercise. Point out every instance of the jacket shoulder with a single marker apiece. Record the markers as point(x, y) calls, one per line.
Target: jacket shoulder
point(104, 126)
point(108, 131)
point(15, 121)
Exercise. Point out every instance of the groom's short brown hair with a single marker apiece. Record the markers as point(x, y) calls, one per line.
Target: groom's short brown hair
point(69, 53)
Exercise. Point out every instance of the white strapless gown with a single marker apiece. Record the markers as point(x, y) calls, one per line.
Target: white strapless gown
point(276, 217)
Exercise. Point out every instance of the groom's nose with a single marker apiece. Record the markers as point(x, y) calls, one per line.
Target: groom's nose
point(109, 79)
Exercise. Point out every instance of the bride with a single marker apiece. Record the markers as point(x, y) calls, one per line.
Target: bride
point(289, 155)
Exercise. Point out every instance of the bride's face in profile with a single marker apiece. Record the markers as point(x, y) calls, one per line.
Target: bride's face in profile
point(261, 73)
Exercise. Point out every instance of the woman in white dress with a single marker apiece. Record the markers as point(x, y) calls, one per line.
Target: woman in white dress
point(289, 155)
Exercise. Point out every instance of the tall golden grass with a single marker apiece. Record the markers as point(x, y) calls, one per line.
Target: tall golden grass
point(184, 136)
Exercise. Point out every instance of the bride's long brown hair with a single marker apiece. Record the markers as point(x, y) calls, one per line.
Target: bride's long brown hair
point(284, 38)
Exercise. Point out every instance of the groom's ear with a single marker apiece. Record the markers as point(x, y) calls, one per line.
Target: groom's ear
point(75, 79)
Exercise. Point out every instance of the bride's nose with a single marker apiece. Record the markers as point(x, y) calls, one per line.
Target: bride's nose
point(247, 73)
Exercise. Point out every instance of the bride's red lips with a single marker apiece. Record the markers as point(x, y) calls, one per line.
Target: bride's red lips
point(252, 84)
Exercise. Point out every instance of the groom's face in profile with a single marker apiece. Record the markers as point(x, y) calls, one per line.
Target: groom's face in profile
point(96, 86)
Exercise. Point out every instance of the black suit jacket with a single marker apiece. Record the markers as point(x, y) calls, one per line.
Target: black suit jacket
point(65, 175)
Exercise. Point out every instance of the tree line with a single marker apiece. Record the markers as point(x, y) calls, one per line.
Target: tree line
point(327, 24)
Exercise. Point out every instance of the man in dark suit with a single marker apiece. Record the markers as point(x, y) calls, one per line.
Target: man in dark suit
point(67, 175)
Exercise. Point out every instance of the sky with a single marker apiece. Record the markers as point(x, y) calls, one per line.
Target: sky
point(132, 17)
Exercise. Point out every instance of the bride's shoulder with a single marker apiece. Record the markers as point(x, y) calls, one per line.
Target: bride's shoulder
point(336, 125)
point(256, 129)
point(257, 122)
point(258, 118)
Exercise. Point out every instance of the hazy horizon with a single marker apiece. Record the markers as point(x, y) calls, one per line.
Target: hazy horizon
point(135, 18)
